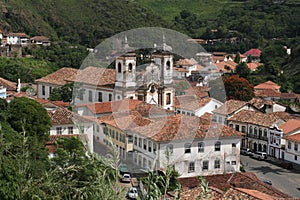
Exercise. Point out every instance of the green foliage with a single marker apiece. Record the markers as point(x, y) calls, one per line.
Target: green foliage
point(27, 69)
point(237, 58)
point(242, 70)
point(63, 93)
point(238, 88)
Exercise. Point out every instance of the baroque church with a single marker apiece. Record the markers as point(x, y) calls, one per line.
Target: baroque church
point(151, 82)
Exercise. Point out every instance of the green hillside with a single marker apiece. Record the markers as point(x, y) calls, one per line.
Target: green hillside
point(85, 21)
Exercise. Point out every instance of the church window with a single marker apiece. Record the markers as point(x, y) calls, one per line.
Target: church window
point(130, 67)
point(168, 64)
point(168, 100)
point(119, 68)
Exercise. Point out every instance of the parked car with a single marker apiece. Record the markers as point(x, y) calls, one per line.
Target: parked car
point(126, 178)
point(133, 193)
point(267, 182)
point(286, 165)
point(259, 155)
point(246, 151)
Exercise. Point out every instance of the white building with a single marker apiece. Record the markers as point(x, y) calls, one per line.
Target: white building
point(292, 148)
point(193, 106)
point(67, 123)
point(256, 126)
point(17, 39)
point(195, 147)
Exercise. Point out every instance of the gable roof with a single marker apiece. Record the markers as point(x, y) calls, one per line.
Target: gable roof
point(17, 35)
point(59, 77)
point(10, 86)
point(40, 38)
point(253, 52)
point(63, 116)
point(293, 138)
point(96, 76)
point(290, 126)
point(230, 106)
point(180, 127)
point(52, 104)
point(190, 102)
point(267, 85)
point(253, 65)
point(254, 117)
point(221, 65)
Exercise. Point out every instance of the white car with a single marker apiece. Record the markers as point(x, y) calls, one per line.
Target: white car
point(133, 193)
point(259, 155)
point(126, 178)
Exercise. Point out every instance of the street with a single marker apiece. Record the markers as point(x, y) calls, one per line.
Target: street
point(287, 181)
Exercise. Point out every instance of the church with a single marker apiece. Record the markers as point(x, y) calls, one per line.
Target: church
point(151, 82)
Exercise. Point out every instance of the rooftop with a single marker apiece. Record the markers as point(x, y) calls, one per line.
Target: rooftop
point(230, 106)
point(293, 138)
point(190, 102)
point(63, 116)
point(254, 117)
point(267, 85)
point(10, 86)
point(59, 77)
point(253, 52)
point(290, 126)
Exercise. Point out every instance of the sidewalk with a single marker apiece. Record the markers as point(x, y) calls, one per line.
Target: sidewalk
point(277, 162)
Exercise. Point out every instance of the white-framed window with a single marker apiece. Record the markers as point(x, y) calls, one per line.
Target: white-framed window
point(187, 148)
point(70, 130)
point(191, 167)
point(90, 96)
point(296, 146)
point(58, 130)
point(100, 97)
point(217, 164)
point(289, 145)
point(218, 146)
point(233, 162)
point(200, 147)
point(205, 165)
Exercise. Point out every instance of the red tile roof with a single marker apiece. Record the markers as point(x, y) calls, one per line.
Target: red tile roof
point(179, 127)
point(63, 116)
point(229, 107)
point(294, 137)
point(254, 117)
point(96, 76)
point(267, 85)
point(259, 103)
point(290, 126)
point(253, 52)
point(59, 77)
point(17, 34)
point(190, 102)
point(256, 194)
point(40, 38)
point(253, 65)
point(222, 65)
point(10, 86)
point(48, 103)
point(235, 181)
point(186, 62)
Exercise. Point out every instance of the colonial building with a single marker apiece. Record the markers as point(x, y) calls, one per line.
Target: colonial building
point(256, 126)
point(17, 38)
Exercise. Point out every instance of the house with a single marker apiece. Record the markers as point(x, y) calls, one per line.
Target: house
point(282, 140)
point(54, 80)
point(269, 85)
point(6, 87)
point(52, 105)
point(267, 106)
point(228, 109)
point(65, 122)
point(187, 66)
point(226, 66)
point(17, 39)
point(253, 65)
point(40, 40)
point(193, 106)
point(253, 54)
point(256, 126)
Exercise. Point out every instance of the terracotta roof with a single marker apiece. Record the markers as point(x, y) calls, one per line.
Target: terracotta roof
point(17, 34)
point(253, 65)
point(255, 194)
point(180, 69)
point(284, 116)
point(253, 52)
point(52, 104)
point(290, 126)
point(186, 62)
point(230, 106)
point(235, 181)
point(294, 137)
point(221, 65)
point(190, 102)
point(179, 127)
point(267, 85)
point(96, 76)
point(260, 103)
point(197, 91)
point(112, 107)
point(63, 116)
point(254, 117)
point(40, 38)
point(267, 93)
point(10, 86)
point(59, 77)
point(196, 192)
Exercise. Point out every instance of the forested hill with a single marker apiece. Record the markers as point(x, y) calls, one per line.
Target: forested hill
point(85, 21)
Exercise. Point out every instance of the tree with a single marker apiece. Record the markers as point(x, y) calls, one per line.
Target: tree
point(242, 70)
point(63, 93)
point(237, 58)
point(238, 88)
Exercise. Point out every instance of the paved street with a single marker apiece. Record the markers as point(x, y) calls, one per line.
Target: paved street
point(287, 181)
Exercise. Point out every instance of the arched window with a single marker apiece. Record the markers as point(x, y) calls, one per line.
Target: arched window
point(119, 68)
point(218, 146)
point(168, 64)
point(130, 67)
